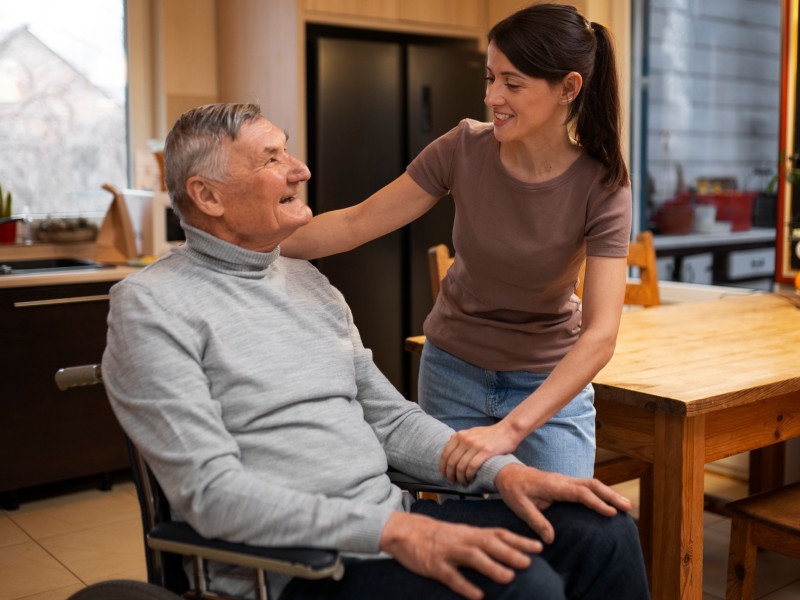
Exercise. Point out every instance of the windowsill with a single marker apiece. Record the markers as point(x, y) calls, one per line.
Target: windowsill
point(47, 250)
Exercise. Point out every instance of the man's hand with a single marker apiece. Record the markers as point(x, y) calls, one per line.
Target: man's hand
point(468, 449)
point(437, 549)
point(528, 491)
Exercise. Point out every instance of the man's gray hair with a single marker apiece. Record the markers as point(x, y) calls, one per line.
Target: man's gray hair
point(196, 145)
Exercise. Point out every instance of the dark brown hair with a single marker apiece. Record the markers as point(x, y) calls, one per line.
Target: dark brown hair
point(548, 41)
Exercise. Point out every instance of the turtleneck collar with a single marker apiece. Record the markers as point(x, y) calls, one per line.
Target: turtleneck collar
point(226, 257)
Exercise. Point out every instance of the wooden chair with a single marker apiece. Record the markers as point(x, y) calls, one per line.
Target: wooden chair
point(770, 521)
point(439, 260)
point(641, 254)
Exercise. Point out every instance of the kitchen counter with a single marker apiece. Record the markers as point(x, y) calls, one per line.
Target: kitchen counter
point(50, 321)
point(82, 250)
point(739, 258)
point(21, 280)
point(696, 240)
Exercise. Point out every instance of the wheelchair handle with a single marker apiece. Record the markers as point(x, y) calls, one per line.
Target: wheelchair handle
point(71, 377)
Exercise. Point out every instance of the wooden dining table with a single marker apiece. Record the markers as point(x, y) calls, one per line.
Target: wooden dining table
point(689, 384)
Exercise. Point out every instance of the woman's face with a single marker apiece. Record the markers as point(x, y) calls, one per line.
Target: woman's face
point(524, 107)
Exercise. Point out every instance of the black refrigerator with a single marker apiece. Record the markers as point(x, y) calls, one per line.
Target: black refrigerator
point(375, 100)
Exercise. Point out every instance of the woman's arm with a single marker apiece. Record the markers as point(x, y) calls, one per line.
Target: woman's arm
point(603, 297)
point(391, 207)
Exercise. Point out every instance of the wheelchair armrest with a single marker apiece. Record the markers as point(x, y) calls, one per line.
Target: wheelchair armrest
point(310, 563)
point(411, 484)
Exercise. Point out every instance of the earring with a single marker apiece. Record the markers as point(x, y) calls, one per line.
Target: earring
point(567, 100)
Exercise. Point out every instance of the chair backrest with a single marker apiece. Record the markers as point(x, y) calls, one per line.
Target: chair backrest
point(439, 260)
point(641, 254)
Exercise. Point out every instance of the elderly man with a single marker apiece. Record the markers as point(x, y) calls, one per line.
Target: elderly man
point(242, 379)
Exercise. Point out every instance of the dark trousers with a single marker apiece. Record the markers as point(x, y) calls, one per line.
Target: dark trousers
point(592, 557)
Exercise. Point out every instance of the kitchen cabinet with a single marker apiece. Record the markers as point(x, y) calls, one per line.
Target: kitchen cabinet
point(697, 268)
point(47, 435)
point(455, 14)
point(748, 264)
point(741, 259)
point(410, 91)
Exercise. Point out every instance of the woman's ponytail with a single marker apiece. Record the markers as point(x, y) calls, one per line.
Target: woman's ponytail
point(598, 123)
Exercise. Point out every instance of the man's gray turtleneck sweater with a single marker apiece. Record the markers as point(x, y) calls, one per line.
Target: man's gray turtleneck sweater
point(243, 381)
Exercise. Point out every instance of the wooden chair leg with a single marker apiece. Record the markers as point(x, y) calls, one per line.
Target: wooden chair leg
point(646, 483)
point(741, 561)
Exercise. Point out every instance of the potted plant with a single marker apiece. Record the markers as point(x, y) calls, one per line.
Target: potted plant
point(765, 205)
point(8, 225)
point(792, 172)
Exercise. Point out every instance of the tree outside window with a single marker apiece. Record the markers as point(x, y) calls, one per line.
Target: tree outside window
point(62, 105)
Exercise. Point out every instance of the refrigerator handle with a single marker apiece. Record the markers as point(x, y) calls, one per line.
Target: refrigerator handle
point(425, 118)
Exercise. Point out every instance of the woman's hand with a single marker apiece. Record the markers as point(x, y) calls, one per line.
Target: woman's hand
point(468, 449)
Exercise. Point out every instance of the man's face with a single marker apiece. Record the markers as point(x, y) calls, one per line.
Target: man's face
point(261, 207)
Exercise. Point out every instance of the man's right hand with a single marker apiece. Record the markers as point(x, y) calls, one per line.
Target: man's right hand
point(528, 491)
point(437, 549)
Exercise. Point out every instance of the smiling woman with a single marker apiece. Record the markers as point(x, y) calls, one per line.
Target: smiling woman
point(62, 104)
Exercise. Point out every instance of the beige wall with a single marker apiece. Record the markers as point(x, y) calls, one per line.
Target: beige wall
point(172, 65)
point(145, 87)
point(259, 53)
point(190, 54)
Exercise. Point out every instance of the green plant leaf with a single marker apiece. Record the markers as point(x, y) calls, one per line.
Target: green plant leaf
point(5, 204)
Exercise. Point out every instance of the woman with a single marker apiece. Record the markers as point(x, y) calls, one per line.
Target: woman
point(510, 349)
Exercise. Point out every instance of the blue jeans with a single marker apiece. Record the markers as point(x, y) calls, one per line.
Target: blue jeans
point(464, 396)
point(592, 558)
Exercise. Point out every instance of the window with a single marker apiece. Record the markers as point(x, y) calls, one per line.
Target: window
point(63, 126)
point(708, 120)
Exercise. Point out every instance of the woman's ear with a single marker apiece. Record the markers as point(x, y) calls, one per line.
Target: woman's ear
point(570, 87)
point(204, 197)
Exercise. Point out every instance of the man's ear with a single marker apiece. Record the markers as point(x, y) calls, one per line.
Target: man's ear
point(204, 196)
point(570, 87)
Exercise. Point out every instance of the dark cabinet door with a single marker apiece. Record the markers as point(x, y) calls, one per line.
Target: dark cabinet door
point(358, 148)
point(445, 85)
point(374, 104)
point(47, 435)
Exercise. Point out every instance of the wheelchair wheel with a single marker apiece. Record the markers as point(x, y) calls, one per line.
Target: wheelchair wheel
point(123, 589)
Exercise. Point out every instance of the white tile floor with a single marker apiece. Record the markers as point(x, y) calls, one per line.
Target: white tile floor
point(52, 547)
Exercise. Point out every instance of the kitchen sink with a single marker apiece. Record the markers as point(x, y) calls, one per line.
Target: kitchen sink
point(47, 265)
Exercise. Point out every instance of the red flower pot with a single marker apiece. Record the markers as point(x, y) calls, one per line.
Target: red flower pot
point(8, 233)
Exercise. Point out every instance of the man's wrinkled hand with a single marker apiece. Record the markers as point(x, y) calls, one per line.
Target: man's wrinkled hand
point(528, 491)
point(437, 549)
